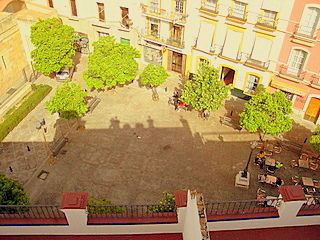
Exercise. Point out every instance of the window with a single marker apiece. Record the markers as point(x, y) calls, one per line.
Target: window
point(269, 17)
point(103, 34)
point(73, 8)
point(309, 21)
point(50, 3)
point(154, 5)
point(203, 61)
point(177, 32)
point(154, 27)
point(125, 17)
point(179, 6)
point(125, 41)
point(296, 61)
point(101, 13)
point(239, 9)
point(253, 82)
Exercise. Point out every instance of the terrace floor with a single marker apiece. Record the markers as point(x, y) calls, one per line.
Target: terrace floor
point(132, 149)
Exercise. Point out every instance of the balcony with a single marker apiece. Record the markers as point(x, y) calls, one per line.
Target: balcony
point(210, 7)
point(257, 64)
point(237, 15)
point(163, 14)
point(155, 36)
point(266, 23)
point(305, 33)
point(293, 74)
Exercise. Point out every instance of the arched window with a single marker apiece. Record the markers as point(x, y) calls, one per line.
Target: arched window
point(296, 61)
point(309, 21)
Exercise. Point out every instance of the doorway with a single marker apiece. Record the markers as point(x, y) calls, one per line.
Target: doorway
point(313, 110)
point(227, 75)
point(176, 62)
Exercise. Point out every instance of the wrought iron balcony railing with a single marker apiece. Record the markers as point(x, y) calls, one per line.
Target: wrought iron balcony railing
point(267, 22)
point(292, 72)
point(237, 14)
point(211, 6)
point(305, 31)
point(155, 36)
point(32, 212)
point(257, 63)
point(163, 14)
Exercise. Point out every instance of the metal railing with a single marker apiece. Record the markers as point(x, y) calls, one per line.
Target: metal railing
point(305, 31)
point(210, 6)
point(242, 207)
point(313, 203)
point(34, 212)
point(267, 22)
point(163, 13)
point(292, 72)
point(237, 14)
point(179, 43)
point(175, 42)
point(258, 63)
point(129, 211)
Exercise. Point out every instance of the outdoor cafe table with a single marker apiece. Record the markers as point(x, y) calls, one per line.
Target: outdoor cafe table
point(303, 163)
point(270, 179)
point(270, 162)
point(307, 181)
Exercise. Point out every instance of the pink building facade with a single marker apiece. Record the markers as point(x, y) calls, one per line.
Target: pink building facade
point(298, 66)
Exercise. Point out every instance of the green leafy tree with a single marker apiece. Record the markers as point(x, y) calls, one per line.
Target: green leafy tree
point(153, 75)
point(267, 113)
point(68, 101)
point(205, 91)
point(111, 64)
point(314, 140)
point(11, 192)
point(54, 45)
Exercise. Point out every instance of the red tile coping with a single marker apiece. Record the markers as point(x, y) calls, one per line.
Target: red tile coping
point(227, 217)
point(74, 200)
point(170, 218)
point(181, 197)
point(168, 236)
point(292, 193)
point(33, 221)
point(281, 233)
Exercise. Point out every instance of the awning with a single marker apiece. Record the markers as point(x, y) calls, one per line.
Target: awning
point(288, 87)
point(232, 44)
point(261, 49)
point(205, 36)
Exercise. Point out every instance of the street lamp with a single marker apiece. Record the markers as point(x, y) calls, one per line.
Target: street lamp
point(243, 177)
point(244, 173)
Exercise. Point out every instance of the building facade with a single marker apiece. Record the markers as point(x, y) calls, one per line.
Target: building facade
point(298, 70)
point(251, 42)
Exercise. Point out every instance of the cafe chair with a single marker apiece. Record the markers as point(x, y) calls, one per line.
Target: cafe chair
point(295, 180)
point(271, 170)
point(310, 190)
point(304, 157)
point(313, 166)
point(294, 163)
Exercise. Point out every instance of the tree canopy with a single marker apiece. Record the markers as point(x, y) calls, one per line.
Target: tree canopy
point(205, 91)
point(153, 75)
point(314, 140)
point(68, 101)
point(11, 192)
point(54, 45)
point(111, 64)
point(267, 113)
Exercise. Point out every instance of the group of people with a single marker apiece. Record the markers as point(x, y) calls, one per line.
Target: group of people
point(178, 104)
point(261, 158)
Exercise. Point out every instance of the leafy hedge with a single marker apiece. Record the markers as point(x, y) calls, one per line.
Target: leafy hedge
point(104, 208)
point(16, 115)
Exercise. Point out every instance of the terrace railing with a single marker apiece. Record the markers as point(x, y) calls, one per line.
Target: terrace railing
point(42, 214)
point(128, 211)
point(242, 208)
point(151, 213)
